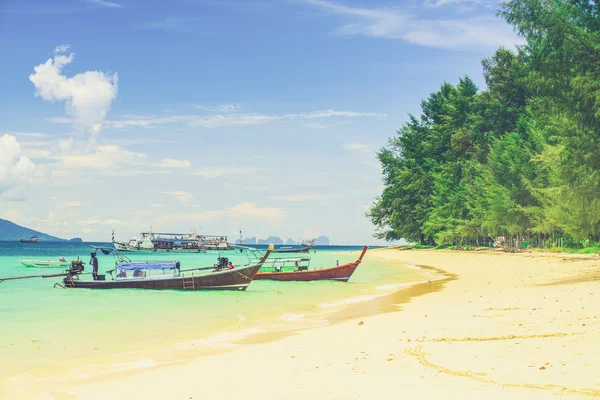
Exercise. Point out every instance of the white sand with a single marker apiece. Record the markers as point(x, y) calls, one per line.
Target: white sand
point(511, 326)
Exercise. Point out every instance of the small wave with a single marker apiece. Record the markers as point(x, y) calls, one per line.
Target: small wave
point(221, 338)
point(121, 367)
point(291, 317)
point(351, 300)
point(395, 286)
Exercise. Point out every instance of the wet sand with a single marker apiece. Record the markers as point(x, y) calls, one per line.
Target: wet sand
point(500, 326)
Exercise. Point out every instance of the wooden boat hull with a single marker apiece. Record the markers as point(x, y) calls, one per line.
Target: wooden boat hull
point(341, 273)
point(234, 279)
point(338, 273)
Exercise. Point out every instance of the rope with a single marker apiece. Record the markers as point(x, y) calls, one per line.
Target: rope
point(262, 284)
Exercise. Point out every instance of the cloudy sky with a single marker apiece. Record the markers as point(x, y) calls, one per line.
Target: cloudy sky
point(217, 115)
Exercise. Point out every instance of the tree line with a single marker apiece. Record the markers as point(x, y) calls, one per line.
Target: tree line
point(520, 159)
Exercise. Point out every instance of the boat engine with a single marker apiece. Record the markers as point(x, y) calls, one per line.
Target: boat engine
point(76, 267)
point(222, 262)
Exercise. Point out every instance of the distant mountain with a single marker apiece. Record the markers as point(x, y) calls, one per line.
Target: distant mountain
point(322, 241)
point(10, 231)
point(77, 240)
point(271, 239)
point(251, 240)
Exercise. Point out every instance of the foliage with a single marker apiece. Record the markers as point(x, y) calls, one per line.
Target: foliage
point(520, 159)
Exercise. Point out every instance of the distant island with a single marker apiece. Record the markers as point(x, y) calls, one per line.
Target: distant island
point(320, 241)
point(9, 231)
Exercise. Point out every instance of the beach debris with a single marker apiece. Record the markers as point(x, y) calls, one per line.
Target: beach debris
point(390, 357)
point(361, 323)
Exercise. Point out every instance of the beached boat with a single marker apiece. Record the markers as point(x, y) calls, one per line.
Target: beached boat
point(293, 250)
point(45, 263)
point(159, 275)
point(32, 239)
point(190, 242)
point(281, 270)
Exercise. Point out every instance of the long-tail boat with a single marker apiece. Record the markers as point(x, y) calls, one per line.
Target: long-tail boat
point(168, 275)
point(46, 263)
point(303, 273)
point(294, 250)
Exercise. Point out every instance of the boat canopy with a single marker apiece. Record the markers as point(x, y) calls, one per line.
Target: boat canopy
point(156, 265)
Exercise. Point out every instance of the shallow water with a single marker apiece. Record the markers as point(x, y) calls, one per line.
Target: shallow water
point(52, 335)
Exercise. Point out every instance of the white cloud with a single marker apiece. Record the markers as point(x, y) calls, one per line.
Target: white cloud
point(108, 159)
point(15, 216)
point(305, 197)
point(334, 113)
point(250, 211)
point(226, 171)
point(179, 195)
point(232, 119)
point(89, 222)
point(319, 125)
point(394, 23)
point(71, 204)
point(361, 147)
point(28, 134)
point(105, 4)
point(65, 144)
point(112, 222)
point(16, 170)
point(172, 163)
point(88, 95)
point(222, 108)
point(61, 48)
point(61, 120)
point(441, 3)
point(236, 214)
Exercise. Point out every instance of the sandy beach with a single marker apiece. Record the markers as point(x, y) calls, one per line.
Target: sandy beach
point(500, 326)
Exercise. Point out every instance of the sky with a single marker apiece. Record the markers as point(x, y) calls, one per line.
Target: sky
point(219, 115)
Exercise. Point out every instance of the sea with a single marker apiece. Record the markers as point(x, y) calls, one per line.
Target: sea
point(51, 336)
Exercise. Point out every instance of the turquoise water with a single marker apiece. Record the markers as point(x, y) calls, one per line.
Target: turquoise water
point(51, 335)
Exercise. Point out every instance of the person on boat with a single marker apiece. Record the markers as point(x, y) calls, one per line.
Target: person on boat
point(122, 274)
point(230, 266)
point(138, 273)
point(298, 267)
point(62, 259)
point(94, 264)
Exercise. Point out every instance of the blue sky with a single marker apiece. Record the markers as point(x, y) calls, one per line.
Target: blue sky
point(218, 115)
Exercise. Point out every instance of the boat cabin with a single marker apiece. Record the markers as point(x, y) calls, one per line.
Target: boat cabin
point(146, 270)
point(286, 264)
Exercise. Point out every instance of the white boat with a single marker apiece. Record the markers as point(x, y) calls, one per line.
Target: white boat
point(45, 263)
point(190, 242)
